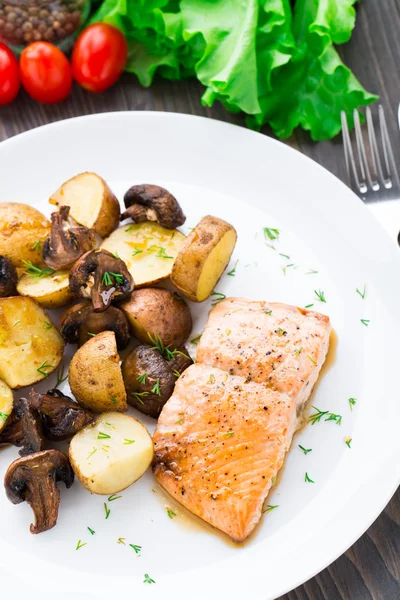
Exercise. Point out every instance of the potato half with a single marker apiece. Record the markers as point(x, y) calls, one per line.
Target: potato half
point(203, 258)
point(6, 403)
point(50, 292)
point(111, 454)
point(23, 230)
point(30, 345)
point(154, 312)
point(95, 375)
point(91, 201)
point(148, 250)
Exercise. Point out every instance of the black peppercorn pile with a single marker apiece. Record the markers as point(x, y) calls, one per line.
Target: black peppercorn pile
point(33, 20)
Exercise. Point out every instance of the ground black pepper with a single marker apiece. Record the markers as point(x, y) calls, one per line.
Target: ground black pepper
point(26, 21)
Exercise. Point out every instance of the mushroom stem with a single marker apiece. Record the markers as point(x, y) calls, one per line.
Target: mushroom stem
point(34, 479)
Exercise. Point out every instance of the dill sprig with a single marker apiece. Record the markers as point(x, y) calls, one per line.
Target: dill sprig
point(271, 233)
point(142, 378)
point(307, 478)
point(269, 508)
point(320, 295)
point(156, 388)
point(362, 294)
point(305, 450)
point(139, 395)
point(164, 350)
point(37, 271)
point(43, 367)
point(232, 273)
point(352, 402)
point(171, 513)
point(218, 297)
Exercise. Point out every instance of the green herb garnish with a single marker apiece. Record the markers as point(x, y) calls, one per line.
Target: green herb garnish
point(16, 322)
point(164, 350)
point(106, 510)
point(312, 359)
point(307, 479)
point(348, 441)
point(148, 579)
point(196, 339)
point(299, 351)
point(284, 255)
point(36, 245)
point(229, 434)
point(352, 402)
point(114, 400)
point(218, 297)
point(121, 541)
point(309, 305)
point(91, 454)
point(311, 272)
point(43, 367)
point(47, 325)
point(60, 376)
point(270, 233)
point(362, 294)
point(365, 322)
point(305, 450)
point(268, 312)
point(4, 416)
point(171, 513)
point(139, 395)
point(178, 421)
point(91, 531)
point(136, 251)
point(211, 379)
point(176, 373)
point(156, 388)
point(80, 545)
point(232, 273)
point(137, 549)
point(103, 436)
point(320, 295)
point(336, 418)
point(90, 334)
point(37, 271)
point(269, 508)
point(127, 442)
point(142, 378)
point(315, 418)
point(113, 497)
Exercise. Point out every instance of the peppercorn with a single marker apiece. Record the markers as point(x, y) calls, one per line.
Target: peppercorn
point(24, 21)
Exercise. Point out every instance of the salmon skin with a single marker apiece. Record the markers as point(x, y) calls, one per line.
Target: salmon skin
point(223, 435)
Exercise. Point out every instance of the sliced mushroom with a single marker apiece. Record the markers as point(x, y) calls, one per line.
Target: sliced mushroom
point(24, 428)
point(62, 417)
point(34, 479)
point(8, 278)
point(148, 202)
point(101, 276)
point(67, 241)
point(80, 322)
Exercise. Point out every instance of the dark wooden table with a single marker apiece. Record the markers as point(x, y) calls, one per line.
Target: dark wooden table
point(370, 570)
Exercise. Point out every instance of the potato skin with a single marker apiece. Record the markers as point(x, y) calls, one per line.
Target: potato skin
point(147, 360)
point(108, 215)
point(21, 228)
point(191, 260)
point(50, 292)
point(95, 375)
point(6, 403)
point(159, 313)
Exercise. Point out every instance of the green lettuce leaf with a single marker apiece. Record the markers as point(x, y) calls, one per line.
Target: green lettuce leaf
point(276, 65)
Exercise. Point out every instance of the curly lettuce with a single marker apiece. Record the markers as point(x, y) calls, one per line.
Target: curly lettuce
point(275, 63)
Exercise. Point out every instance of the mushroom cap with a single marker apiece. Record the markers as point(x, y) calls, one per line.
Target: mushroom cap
point(149, 202)
point(79, 322)
point(8, 278)
point(24, 428)
point(33, 479)
point(67, 242)
point(62, 417)
point(102, 275)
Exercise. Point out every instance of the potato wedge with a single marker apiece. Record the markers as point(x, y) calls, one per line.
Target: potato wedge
point(111, 454)
point(23, 230)
point(148, 250)
point(30, 345)
point(157, 313)
point(6, 403)
point(95, 375)
point(92, 202)
point(50, 292)
point(203, 258)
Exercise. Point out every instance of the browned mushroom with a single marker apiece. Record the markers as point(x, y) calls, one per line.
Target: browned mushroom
point(24, 428)
point(62, 417)
point(67, 241)
point(8, 278)
point(80, 322)
point(148, 202)
point(149, 377)
point(34, 479)
point(102, 276)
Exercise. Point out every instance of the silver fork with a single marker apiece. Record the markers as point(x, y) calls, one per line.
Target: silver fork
point(372, 171)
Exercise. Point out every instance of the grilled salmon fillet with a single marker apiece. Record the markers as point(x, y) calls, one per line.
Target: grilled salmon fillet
point(281, 346)
point(219, 444)
point(222, 436)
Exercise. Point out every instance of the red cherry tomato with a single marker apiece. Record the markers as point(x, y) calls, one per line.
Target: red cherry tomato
point(99, 57)
point(9, 75)
point(45, 72)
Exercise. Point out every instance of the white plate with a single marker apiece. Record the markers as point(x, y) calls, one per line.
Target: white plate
point(253, 182)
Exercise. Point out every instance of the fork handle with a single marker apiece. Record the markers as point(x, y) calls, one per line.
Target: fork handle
point(388, 214)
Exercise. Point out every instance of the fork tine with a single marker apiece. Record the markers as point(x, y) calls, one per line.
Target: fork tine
point(349, 155)
point(375, 156)
point(388, 150)
point(362, 156)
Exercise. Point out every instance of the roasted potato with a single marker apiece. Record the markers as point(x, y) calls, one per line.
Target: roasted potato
point(52, 291)
point(30, 346)
point(203, 258)
point(157, 313)
point(95, 375)
point(6, 403)
point(150, 378)
point(111, 454)
point(91, 201)
point(148, 250)
point(23, 230)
